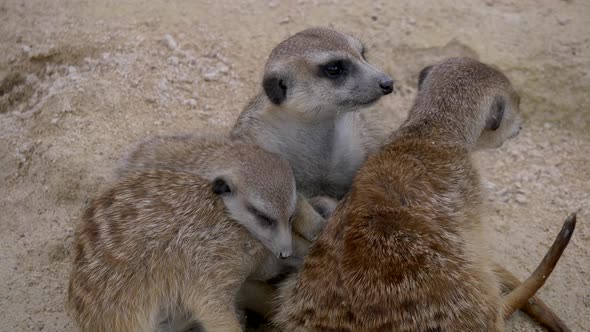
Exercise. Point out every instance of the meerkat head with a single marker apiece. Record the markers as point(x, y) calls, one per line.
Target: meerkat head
point(319, 72)
point(259, 193)
point(477, 94)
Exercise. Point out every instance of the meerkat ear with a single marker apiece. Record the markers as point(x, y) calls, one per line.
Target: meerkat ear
point(422, 76)
point(222, 186)
point(496, 113)
point(275, 88)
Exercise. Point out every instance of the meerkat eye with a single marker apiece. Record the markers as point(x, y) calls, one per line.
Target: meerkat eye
point(334, 70)
point(263, 218)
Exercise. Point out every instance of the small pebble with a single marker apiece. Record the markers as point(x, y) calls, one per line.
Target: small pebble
point(191, 102)
point(563, 20)
point(520, 199)
point(26, 49)
point(173, 60)
point(170, 42)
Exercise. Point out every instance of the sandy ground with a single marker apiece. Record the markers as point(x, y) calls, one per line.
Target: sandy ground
point(81, 80)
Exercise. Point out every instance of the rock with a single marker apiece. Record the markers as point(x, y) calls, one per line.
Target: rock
point(190, 102)
point(562, 20)
point(214, 74)
point(173, 60)
point(26, 49)
point(520, 199)
point(170, 42)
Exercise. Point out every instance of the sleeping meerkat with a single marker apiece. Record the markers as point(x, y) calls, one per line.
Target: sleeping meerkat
point(405, 249)
point(313, 84)
point(202, 154)
point(163, 246)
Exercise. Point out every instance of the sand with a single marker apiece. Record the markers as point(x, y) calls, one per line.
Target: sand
point(81, 80)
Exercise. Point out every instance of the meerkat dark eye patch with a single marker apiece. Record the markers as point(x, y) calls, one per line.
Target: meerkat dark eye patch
point(422, 76)
point(334, 69)
point(275, 89)
point(221, 186)
point(496, 113)
point(263, 218)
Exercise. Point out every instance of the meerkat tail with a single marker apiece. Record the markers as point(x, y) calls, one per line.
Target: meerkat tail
point(534, 307)
point(519, 296)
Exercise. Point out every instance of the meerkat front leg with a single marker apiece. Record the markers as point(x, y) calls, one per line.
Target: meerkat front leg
point(324, 205)
point(219, 319)
point(307, 222)
point(257, 296)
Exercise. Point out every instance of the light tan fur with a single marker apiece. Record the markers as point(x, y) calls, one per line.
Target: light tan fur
point(405, 250)
point(165, 245)
point(198, 154)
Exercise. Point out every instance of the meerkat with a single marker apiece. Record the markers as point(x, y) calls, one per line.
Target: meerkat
point(162, 246)
point(313, 85)
point(405, 249)
point(200, 154)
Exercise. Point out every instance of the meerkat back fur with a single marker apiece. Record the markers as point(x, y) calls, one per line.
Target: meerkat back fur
point(313, 84)
point(405, 250)
point(160, 244)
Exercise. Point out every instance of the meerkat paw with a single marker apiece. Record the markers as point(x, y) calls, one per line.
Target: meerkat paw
point(324, 205)
point(307, 222)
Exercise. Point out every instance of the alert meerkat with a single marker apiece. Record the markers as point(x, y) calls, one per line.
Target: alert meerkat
point(314, 83)
point(405, 249)
point(163, 246)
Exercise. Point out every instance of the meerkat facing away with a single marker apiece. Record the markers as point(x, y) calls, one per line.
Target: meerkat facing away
point(313, 84)
point(161, 246)
point(405, 250)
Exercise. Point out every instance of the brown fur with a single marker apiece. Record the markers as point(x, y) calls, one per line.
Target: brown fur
point(160, 248)
point(405, 250)
point(143, 247)
point(205, 155)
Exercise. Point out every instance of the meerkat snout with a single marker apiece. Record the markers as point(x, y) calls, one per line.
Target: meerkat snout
point(320, 73)
point(386, 85)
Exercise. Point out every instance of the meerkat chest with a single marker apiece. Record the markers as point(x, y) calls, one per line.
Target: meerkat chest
point(324, 156)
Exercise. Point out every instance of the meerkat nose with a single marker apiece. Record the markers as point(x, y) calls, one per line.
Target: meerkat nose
point(386, 86)
point(284, 254)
